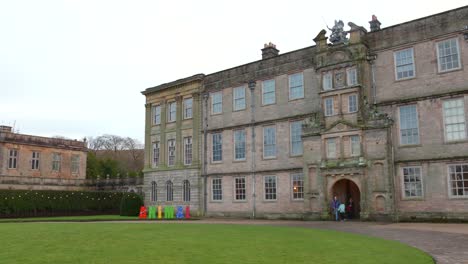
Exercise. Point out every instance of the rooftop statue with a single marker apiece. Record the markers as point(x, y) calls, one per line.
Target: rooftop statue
point(338, 33)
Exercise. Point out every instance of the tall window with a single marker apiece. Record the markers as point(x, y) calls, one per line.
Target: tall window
point(239, 98)
point(239, 144)
point(169, 191)
point(409, 129)
point(298, 186)
point(404, 64)
point(157, 114)
point(270, 187)
point(217, 189)
point(156, 150)
point(154, 191)
point(217, 102)
point(188, 150)
point(217, 147)
point(35, 160)
point(296, 140)
point(56, 160)
point(329, 106)
point(240, 188)
point(352, 103)
point(268, 92)
point(355, 145)
point(186, 191)
point(188, 108)
point(412, 181)
point(75, 164)
point(269, 142)
point(172, 112)
point(448, 55)
point(13, 159)
point(331, 148)
point(351, 76)
point(296, 86)
point(454, 119)
point(458, 177)
point(171, 152)
point(327, 81)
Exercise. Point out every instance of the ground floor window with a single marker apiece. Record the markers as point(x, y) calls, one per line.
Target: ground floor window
point(216, 186)
point(412, 182)
point(240, 188)
point(298, 186)
point(270, 187)
point(458, 178)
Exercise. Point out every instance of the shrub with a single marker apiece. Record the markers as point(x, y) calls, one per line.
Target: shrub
point(130, 204)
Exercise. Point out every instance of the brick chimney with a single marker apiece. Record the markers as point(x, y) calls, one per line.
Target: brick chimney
point(5, 129)
point(269, 51)
point(374, 24)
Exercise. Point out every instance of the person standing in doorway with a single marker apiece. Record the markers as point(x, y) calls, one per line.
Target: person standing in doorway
point(334, 206)
point(350, 208)
point(342, 211)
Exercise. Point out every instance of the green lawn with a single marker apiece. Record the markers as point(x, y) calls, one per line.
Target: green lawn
point(145, 243)
point(84, 218)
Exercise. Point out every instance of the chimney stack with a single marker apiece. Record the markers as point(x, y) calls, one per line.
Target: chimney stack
point(5, 129)
point(374, 24)
point(269, 51)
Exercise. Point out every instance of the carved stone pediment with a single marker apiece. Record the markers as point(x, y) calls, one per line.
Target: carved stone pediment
point(341, 126)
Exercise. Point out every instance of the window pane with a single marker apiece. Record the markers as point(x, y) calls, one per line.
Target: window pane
point(188, 108)
point(269, 142)
point(448, 55)
point(296, 140)
point(352, 103)
point(412, 182)
point(298, 186)
point(216, 186)
point(404, 64)
point(296, 86)
point(217, 147)
point(239, 98)
point(216, 103)
point(239, 142)
point(329, 106)
point(409, 129)
point(240, 189)
point(268, 92)
point(331, 148)
point(454, 115)
point(270, 187)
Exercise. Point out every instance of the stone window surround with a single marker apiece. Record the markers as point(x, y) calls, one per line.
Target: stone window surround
point(436, 45)
point(402, 184)
point(395, 63)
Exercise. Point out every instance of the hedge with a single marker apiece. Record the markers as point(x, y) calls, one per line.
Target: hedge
point(130, 206)
point(25, 203)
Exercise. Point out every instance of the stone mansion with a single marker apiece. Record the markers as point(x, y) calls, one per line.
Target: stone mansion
point(376, 115)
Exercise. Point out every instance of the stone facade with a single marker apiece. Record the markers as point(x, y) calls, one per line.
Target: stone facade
point(172, 144)
point(381, 117)
point(39, 160)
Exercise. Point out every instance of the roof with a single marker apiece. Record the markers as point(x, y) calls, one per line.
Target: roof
point(196, 77)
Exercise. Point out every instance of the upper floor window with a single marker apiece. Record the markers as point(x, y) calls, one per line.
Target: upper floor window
point(454, 119)
point(355, 145)
point(35, 160)
point(239, 144)
point(56, 160)
point(351, 76)
point(404, 64)
point(157, 114)
point(331, 148)
point(458, 180)
point(217, 102)
point(239, 188)
point(187, 150)
point(13, 159)
point(75, 164)
point(352, 103)
point(217, 189)
point(327, 81)
point(412, 182)
point(329, 106)
point(239, 98)
point(171, 152)
point(268, 92)
point(188, 108)
point(298, 186)
point(296, 86)
point(172, 111)
point(269, 142)
point(295, 139)
point(156, 151)
point(169, 191)
point(217, 147)
point(409, 128)
point(270, 187)
point(448, 55)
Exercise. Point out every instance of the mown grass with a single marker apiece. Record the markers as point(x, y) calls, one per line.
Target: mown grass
point(193, 243)
point(84, 218)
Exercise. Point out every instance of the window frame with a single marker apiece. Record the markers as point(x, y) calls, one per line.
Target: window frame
point(169, 191)
point(13, 159)
point(154, 191)
point(235, 99)
point(35, 160)
point(156, 159)
point(348, 76)
point(351, 145)
point(169, 152)
point(56, 163)
point(356, 103)
point(156, 114)
point(274, 142)
point(242, 188)
point(265, 192)
point(439, 70)
point(329, 77)
point(213, 150)
point(273, 92)
point(186, 191)
point(290, 76)
point(300, 187)
point(212, 96)
point(332, 106)
point(188, 154)
point(186, 116)
point(462, 99)
point(449, 181)
point(395, 66)
point(244, 147)
point(291, 140)
point(75, 164)
point(399, 126)
point(220, 185)
point(327, 149)
point(169, 112)
point(403, 185)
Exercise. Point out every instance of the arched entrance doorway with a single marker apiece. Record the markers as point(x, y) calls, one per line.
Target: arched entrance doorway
point(344, 190)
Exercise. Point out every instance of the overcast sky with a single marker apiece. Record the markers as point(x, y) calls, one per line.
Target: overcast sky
point(76, 68)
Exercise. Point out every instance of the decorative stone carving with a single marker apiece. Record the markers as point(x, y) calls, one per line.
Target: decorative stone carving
point(338, 33)
point(313, 124)
point(373, 117)
point(339, 79)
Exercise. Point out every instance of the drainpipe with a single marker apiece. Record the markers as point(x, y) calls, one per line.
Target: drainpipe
point(205, 149)
point(252, 85)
